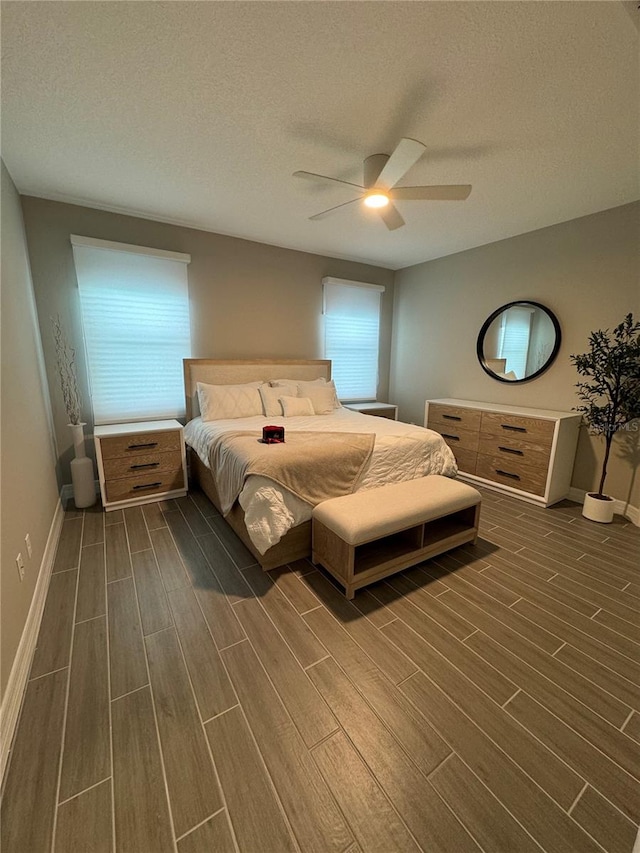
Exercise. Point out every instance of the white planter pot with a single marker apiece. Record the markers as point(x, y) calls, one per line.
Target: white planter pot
point(598, 509)
point(84, 492)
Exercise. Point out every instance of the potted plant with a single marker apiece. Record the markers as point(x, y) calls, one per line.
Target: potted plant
point(610, 397)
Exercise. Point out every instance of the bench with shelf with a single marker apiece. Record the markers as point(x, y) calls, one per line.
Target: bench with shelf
point(367, 536)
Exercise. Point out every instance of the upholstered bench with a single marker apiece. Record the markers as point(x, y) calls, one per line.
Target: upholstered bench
point(372, 534)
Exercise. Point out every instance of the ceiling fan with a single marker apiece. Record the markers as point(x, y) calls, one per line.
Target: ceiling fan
point(381, 174)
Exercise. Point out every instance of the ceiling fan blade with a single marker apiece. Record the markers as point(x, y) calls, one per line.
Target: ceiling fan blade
point(332, 209)
point(391, 217)
point(407, 152)
point(311, 176)
point(446, 192)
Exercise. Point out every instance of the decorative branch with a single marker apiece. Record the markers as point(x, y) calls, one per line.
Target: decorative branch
point(66, 364)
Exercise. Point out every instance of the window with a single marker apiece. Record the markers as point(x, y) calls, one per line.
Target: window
point(352, 335)
point(135, 316)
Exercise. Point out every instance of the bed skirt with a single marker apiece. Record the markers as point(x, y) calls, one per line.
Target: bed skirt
point(294, 545)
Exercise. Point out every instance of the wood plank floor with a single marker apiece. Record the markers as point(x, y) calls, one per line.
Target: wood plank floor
point(181, 699)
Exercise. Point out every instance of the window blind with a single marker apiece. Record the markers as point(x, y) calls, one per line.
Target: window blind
point(352, 336)
point(135, 317)
point(514, 339)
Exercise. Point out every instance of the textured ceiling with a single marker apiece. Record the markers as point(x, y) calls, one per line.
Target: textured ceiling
point(198, 113)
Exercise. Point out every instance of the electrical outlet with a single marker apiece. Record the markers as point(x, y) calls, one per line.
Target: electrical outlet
point(20, 565)
point(27, 542)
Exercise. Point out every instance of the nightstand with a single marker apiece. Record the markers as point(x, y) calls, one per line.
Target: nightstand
point(140, 463)
point(380, 410)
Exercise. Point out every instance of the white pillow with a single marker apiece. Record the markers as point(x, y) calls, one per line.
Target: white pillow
point(302, 383)
point(229, 401)
point(323, 398)
point(271, 398)
point(296, 407)
point(332, 385)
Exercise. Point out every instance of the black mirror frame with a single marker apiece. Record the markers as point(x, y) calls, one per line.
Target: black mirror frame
point(489, 321)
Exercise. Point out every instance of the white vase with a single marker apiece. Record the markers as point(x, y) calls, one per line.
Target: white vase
point(598, 508)
point(84, 492)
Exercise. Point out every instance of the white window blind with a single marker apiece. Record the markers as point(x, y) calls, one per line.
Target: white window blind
point(352, 336)
point(514, 339)
point(135, 316)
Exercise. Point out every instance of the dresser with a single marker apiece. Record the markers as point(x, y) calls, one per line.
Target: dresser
point(521, 451)
point(140, 463)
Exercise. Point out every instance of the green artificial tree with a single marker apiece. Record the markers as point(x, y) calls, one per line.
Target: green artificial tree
point(610, 394)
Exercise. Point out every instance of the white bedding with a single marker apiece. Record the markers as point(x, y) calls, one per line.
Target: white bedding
point(401, 452)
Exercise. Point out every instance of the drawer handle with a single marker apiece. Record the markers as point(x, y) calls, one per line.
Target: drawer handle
point(146, 486)
point(507, 474)
point(145, 465)
point(511, 450)
point(138, 446)
point(513, 428)
point(451, 418)
point(451, 437)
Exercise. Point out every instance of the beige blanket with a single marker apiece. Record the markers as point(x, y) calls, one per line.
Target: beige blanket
point(314, 466)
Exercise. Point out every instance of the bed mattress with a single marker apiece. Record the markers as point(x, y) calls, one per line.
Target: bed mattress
point(401, 452)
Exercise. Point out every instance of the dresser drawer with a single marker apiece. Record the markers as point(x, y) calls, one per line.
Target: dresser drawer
point(154, 463)
point(144, 485)
point(448, 416)
point(455, 437)
point(119, 446)
point(466, 460)
point(518, 450)
point(537, 429)
point(513, 473)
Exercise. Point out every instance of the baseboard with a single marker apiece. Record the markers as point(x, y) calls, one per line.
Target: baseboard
point(16, 686)
point(619, 507)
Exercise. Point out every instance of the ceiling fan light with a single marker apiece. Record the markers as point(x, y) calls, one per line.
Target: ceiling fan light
point(376, 200)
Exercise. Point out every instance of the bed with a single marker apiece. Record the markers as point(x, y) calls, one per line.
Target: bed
point(273, 521)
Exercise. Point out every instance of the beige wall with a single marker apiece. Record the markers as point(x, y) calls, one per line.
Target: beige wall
point(587, 271)
point(248, 300)
point(28, 485)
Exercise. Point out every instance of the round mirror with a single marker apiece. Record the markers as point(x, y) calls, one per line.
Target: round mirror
point(518, 341)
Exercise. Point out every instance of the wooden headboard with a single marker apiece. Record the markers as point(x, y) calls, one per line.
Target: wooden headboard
point(238, 371)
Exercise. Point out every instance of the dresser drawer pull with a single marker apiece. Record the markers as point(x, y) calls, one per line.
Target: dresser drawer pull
point(511, 450)
point(146, 486)
point(146, 465)
point(450, 437)
point(507, 474)
point(451, 418)
point(138, 446)
point(513, 428)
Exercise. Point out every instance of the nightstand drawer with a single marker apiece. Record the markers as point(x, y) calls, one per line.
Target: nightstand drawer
point(383, 412)
point(451, 416)
point(143, 486)
point(155, 463)
point(379, 410)
point(119, 446)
